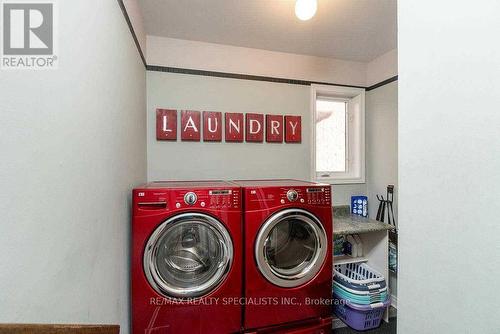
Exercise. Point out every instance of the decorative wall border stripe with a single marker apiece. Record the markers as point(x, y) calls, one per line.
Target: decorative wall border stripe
point(156, 68)
point(132, 31)
point(382, 83)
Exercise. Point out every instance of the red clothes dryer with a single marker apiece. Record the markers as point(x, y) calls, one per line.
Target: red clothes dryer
point(186, 258)
point(288, 256)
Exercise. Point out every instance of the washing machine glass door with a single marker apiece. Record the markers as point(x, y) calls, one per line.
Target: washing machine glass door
point(291, 247)
point(188, 255)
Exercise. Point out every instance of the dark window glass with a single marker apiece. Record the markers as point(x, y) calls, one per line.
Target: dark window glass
point(189, 255)
point(290, 246)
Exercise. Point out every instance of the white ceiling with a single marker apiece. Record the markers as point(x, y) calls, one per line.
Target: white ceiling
point(359, 30)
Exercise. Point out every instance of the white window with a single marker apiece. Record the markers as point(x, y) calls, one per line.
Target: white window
point(338, 152)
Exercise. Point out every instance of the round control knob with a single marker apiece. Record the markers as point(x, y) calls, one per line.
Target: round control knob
point(190, 198)
point(292, 195)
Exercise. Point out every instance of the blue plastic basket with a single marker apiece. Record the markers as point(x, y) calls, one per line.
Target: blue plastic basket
point(359, 299)
point(359, 292)
point(360, 317)
point(358, 276)
point(358, 287)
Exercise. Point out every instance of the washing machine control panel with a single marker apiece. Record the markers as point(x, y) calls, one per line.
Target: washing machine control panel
point(292, 195)
point(210, 199)
point(148, 200)
point(190, 198)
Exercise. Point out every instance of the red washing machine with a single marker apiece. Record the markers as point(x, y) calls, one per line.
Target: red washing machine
point(288, 256)
point(186, 258)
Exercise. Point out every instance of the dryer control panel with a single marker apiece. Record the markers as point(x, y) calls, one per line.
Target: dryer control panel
point(224, 198)
point(309, 195)
point(259, 198)
point(318, 195)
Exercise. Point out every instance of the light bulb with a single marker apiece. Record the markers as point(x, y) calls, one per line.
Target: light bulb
point(305, 9)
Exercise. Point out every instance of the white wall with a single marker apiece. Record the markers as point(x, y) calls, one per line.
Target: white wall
point(205, 160)
point(73, 146)
point(181, 53)
point(382, 68)
point(225, 58)
point(449, 144)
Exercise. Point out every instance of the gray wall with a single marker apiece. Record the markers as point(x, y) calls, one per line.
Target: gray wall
point(73, 146)
point(381, 143)
point(449, 161)
point(382, 149)
point(205, 160)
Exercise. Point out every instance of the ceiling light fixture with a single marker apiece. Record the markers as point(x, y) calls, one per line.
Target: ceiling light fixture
point(305, 9)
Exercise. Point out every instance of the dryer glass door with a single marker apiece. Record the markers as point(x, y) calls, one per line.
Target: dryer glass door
point(291, 247)
point(188, 256)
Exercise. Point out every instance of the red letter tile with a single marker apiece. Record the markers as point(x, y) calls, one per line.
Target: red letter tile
point(274, 128)
point(234, 127)
point(166, 124)
point(190, 125)
point(293, 129)
point(254, 127)
point(212, 126)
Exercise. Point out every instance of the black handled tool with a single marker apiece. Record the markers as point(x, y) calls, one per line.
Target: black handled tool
point(390, 211)
point(381, 208)
point(386, 204)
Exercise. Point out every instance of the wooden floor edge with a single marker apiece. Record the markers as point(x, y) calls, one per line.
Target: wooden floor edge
point(58, 329)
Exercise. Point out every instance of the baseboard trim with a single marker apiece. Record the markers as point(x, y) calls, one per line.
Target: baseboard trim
point(394, 301)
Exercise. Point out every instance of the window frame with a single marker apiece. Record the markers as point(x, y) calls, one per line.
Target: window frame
point(355, 133)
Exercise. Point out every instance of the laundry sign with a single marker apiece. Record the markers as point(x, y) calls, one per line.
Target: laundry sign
point(212, 126)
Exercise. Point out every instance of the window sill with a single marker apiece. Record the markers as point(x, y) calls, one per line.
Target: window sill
point(335, 181)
